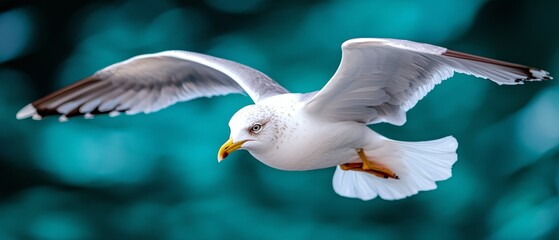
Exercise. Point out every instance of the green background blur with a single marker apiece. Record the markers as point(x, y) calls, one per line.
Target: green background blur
point(156, 176)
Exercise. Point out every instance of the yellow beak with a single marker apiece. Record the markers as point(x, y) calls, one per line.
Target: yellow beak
point(227, 148)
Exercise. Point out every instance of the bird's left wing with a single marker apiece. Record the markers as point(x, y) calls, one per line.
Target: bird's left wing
point(150, 82)
point(378, 80)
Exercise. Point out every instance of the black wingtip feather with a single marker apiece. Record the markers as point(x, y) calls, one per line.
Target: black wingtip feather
point(531, 74)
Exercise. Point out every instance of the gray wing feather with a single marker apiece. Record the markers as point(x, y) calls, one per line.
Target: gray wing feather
point(150, 82)
point(378, 80)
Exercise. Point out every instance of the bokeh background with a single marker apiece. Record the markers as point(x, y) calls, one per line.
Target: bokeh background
point(156, 176)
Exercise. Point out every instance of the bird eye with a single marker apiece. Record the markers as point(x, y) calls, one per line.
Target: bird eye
point(256, 128)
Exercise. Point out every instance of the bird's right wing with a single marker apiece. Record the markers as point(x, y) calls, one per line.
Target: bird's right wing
point(150, 82)
point(379, 80)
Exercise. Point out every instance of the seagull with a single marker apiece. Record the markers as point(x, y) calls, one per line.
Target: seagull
point(378, 80)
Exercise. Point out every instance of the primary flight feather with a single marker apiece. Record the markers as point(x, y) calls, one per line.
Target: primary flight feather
point(378, 80)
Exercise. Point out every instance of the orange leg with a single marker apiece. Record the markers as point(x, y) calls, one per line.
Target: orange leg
point(369, 166)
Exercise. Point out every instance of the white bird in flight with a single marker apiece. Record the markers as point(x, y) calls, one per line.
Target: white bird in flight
point(378, 80)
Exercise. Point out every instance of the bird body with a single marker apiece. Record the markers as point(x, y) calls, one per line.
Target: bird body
point(378, 80)
point(287, 143)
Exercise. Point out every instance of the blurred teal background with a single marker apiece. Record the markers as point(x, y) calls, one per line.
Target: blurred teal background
point(156, 176)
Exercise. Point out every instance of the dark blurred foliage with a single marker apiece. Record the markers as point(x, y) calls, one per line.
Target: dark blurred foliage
point(156, 177)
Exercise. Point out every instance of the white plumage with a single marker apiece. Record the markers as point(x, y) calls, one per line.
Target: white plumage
point(378, 80)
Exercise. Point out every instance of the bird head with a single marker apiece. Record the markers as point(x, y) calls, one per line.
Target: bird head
point(252, 129)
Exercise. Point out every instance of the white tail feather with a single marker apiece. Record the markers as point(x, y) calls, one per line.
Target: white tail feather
point(418, 164)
